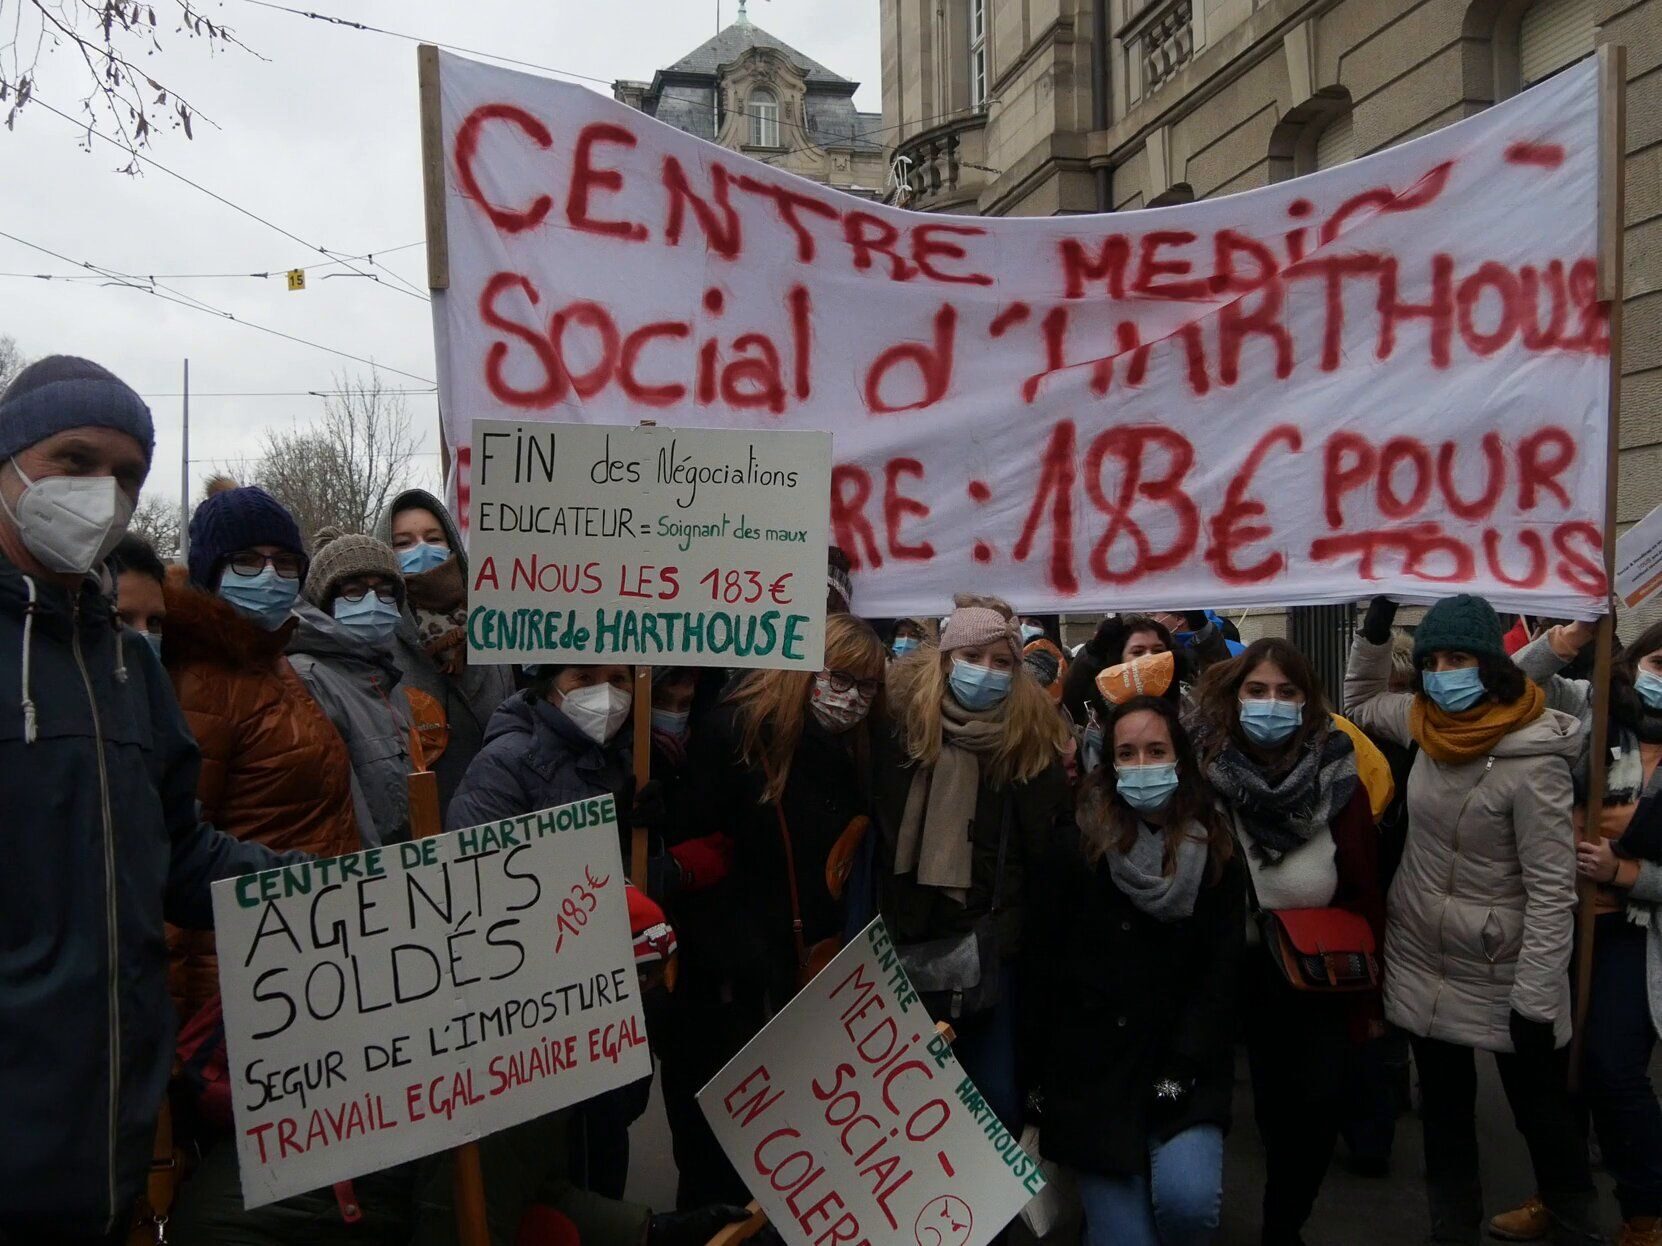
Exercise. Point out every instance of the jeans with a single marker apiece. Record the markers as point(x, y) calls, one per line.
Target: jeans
point(1176, 1204)
point(1537, 1091)
point(1615, 1079)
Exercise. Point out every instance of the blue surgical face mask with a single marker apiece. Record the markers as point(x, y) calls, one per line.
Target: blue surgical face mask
point(265, 597)
point(1030, 633)
point(1649, 688)
point(1148, 788)
point(1270, 722)
point(670, 722)
point(1454, 690)
point(978, 687)
point(903, 645)
point(415, 559)
point(154, 640)
point(369, 619)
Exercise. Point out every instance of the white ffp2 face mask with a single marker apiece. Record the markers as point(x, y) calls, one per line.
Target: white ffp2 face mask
point(70, 523)
point(597, 711)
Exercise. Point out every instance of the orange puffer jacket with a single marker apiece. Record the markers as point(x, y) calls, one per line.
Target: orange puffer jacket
point(274, 769)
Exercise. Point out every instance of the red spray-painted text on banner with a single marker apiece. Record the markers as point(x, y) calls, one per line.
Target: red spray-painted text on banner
point(1391, 376)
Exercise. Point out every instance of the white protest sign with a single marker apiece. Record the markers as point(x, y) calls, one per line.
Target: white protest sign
point(851, 1121)
point(1391, 376)
point(388, 1004)
point(1639, 560)
point(669, 547)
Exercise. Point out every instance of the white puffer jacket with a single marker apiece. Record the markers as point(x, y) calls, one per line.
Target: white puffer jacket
point(1481, 914)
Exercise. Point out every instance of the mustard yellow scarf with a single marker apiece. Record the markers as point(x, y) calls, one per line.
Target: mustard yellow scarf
point(1455, 739)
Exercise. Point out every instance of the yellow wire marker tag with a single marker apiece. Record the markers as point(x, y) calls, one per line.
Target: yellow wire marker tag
point(297, 279)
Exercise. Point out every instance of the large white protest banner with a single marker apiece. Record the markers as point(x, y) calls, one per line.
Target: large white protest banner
point(672, 547)
point(1389, 376)
point(388, 1004)
point(851, 1121)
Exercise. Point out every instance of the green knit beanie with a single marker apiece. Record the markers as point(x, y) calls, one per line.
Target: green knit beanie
point(1466, 623)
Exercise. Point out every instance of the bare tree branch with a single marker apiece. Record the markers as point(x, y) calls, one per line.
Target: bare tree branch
point(343, 470)
point(107, 36)
point(11, 360)
point(156, 519)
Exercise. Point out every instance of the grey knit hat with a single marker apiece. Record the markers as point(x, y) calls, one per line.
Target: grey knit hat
point(338, 556)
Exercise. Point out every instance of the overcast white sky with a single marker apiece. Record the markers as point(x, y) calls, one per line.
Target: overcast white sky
point(320, 138)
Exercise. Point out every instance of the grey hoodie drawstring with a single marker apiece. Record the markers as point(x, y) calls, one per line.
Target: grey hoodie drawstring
point(29, 717)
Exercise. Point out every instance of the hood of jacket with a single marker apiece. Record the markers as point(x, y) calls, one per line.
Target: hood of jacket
point(321, 636)
point(425, 500)
point(1554, 733)
point(204, 627)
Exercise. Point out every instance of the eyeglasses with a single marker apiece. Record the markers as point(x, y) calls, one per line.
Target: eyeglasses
point(357, 592)
point(287, 566)
point(842, 681)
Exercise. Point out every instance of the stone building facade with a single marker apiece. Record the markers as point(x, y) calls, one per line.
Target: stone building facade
point(750, 92)
point(1004, 109)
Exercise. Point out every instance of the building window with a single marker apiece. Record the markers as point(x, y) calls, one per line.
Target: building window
point(764, 119)
point(1553, 34)
point(1336, 143)
point(978, 53)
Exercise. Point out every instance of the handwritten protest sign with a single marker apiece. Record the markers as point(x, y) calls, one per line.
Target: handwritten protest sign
point(1391, 376)
point(663, 546)
point(1639, 560)
point(851, 1121)
point(388, 1004)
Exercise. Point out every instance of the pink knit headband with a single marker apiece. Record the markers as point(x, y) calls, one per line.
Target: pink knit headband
point(979, 625)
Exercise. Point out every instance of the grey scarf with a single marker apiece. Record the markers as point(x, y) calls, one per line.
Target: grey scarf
point(1141, 876)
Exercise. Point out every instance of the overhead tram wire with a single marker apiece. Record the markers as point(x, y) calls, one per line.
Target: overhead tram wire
point(155, 289)
point(351, 24)
point(260, 275)
point(403, 287)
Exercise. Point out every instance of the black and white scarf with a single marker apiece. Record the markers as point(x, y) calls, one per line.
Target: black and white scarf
point(1280, 811)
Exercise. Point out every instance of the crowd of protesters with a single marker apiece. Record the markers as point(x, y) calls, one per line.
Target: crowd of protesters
point(1108, 868)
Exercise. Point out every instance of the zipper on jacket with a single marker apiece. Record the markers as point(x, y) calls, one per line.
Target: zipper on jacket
point(1448, 895)
point(109, 908)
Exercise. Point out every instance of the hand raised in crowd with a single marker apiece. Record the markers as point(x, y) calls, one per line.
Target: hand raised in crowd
point(1376, 624)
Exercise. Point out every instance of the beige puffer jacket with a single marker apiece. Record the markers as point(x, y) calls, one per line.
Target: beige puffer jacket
point(1481, 914)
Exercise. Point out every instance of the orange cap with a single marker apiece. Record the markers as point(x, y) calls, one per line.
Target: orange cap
point(1148, 676)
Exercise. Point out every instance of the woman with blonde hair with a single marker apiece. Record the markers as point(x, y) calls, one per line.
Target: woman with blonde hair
point(968, 786)
point(781, 767)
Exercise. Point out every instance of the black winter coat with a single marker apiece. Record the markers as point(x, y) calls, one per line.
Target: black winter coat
point(1119, 1001)
point(916, 913)
point(535, 758)
point(825, 792)
point(99, 829)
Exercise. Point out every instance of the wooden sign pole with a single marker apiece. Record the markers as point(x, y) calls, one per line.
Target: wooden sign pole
point(472, 1224)
point(1612, 205)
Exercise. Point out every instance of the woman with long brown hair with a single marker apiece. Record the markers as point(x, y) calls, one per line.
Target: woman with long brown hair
point(782, 767)
point(1287, 779)
point(1137, 952)
point(968, 786)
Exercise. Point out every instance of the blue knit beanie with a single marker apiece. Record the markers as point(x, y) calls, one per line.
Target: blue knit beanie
point(61, 392)
point(236, 518)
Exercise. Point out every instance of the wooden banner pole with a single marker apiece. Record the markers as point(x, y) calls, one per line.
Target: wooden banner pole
point(432, 167)
point(472, 1224)
point(1612, 224)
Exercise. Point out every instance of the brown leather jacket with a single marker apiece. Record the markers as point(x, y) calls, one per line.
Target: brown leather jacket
point(274, 769)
